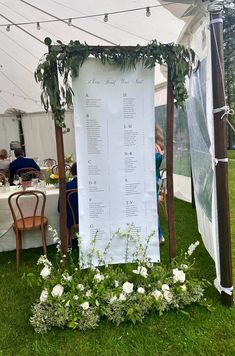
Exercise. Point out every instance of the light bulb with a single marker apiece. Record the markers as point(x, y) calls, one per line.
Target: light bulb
point(106, 18)
point(148, 13)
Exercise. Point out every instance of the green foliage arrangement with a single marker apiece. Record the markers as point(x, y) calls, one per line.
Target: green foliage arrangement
point(79, 298)
point(68, 59)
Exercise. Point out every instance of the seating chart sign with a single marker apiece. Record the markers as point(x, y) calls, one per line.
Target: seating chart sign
point(114, 129)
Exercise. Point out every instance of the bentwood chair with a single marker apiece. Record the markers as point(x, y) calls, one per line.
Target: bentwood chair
point(162, 193)
point(54, 169)
point(23, 171)
point(72, 212)
point(49, 162)
point(27, 208)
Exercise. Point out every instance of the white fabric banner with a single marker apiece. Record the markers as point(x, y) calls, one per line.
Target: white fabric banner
point(114, 132)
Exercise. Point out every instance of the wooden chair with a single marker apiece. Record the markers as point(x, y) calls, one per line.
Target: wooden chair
point(71, 210)
point(25, 170)
point(162, 201)
point(49, 162)
point(54, 169)
point(23, 222)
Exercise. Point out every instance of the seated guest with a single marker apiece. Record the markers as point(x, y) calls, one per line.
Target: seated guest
point(73, 198)
point(21, 162)
point(4, 163)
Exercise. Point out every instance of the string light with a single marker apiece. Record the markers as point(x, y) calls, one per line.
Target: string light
point(38, 26)
point(106, 17)
point(69, 20)
point(8, 29)
point(148, 12)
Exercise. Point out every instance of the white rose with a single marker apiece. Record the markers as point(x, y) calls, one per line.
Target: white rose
point(142, 271)
point(178, 276)
point(141, 290)
point(157, 294)
point(98, 277)
point(184, 266)
point(165, 287)
point(168, 296)
point(127, 287)
point(67, 277)
point(122, 297)
point(45, 272)
point(85, 305)
point(116, 283)
point(75, 297)
point(43, 296)
point(88, 293)
point(113, 299)
point(57, 291)
point(80, 287)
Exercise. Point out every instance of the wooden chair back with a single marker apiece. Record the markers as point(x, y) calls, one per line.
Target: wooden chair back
point(49, 162)
point(37, 206)
point(54, 169)
point(28, 175)
point(69, 194)
point(26, 170)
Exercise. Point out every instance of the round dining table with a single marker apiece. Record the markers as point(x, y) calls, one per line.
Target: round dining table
point(30, 239)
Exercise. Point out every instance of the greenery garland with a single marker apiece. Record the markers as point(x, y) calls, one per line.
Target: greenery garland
point(69, 58)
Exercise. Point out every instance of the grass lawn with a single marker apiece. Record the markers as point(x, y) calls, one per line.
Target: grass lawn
point(197, 332)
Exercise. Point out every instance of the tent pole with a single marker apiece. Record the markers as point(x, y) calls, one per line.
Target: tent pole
point(169, 167)
point(221, 169)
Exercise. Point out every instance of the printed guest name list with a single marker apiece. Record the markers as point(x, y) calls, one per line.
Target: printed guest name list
point(114, 128)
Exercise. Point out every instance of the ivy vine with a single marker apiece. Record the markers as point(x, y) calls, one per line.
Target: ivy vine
point(68, 59)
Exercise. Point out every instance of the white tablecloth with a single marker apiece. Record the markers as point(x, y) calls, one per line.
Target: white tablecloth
point(29, 238)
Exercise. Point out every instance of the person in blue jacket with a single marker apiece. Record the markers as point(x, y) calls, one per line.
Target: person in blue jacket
point(21, 162)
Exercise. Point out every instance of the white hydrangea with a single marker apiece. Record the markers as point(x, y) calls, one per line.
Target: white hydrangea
point(66, 277)
point(122, 297)
point(88, 293)
point(75, 297)
point(80, 287)
point(178, 276)
point(142, 271)
point(45, 272)
point(57, 290)
point(113, 299)
point(157, 294)
point(141, 290)
point(85, 305)
point(99, 277)
point(127, 287)
point(44, 296)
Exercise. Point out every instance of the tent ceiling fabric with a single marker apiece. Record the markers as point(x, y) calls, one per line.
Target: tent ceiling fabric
point(21, 48)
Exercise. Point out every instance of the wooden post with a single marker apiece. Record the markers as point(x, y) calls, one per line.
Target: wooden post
point(61, 171)
point(62, 188)
point(169, 167)
point(216, 30)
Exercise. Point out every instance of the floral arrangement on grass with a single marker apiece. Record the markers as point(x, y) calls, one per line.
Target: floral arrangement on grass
point(79, 298)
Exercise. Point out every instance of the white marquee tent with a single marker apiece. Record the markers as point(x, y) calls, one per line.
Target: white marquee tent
point(25, 23)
